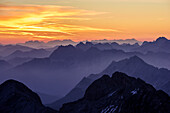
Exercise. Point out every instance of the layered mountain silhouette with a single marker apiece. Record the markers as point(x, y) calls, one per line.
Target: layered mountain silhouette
point(71, 63)
point(35, 53)
point(40, 44)
point(15, 97)
point(161, 44)
point(107, 46)
point(66, 63)
point(6, 50)
point(120, 94)
point(133, 66)
point(121, 41)
point(4, 65)
point(19, 57)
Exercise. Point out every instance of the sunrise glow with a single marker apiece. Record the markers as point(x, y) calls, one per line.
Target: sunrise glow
point(142, 20)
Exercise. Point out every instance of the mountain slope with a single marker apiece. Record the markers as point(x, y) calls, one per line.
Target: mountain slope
point(4, 65)
point(35, 53)
point(6, 50)
point(120, 94)
point(133, 66)
point(15, 97)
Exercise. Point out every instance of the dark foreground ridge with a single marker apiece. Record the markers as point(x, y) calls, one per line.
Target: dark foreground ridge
point(120, 94)
point(117, 94)
point(15, 97)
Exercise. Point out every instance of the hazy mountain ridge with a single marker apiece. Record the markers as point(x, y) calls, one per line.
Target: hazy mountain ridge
point(66, 60)
point(72, 63)
point(161, 44)
point(77, 62)
point(40, 44)
point(107, 46)
point(133, 66)
point(34, 53)
point(6, 50)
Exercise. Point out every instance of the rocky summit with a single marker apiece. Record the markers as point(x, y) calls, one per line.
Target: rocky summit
point(15, 97)
point(120, 94)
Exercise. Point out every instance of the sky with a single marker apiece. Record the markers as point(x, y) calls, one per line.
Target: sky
point(45, 20)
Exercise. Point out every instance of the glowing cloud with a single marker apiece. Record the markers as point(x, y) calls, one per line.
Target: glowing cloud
point(44, 22)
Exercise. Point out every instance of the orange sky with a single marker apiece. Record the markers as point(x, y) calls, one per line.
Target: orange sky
point(46, 20)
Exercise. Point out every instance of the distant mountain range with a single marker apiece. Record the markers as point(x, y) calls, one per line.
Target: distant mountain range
point(133, 66)
point(66, 63)
point(151, 52)
point(34, 53)
point(40, 44)
point(161, 44)
point(6, 50)
point(117, 94)
point(107, 46)
point(42, 69)
point(120, 94)
point(121, 41)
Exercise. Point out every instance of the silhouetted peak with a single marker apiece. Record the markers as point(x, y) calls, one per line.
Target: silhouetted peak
point(65, 51)
point(65, 48)
point(161, 39)
point(145, 42)
point(89, 43)
point(13, 85)
point(34, 42)
point(21, 98)
point(106, 84)
point(135, 59)
point(119, 94)
point(136, 44)
point(119, 75)
point(81, 43)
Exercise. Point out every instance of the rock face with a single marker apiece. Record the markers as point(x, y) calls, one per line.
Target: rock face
point(15, 97)
point(120, 94)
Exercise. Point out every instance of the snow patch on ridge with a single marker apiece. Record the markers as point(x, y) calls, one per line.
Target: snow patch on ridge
point(109, 109)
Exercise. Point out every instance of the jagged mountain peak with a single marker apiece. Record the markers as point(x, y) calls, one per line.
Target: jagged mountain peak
point(107, 84)
point(66, 47)
point(119, 94)
point(161, 39)
point(89, 43)
point(64, 51)
point(128, 63)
